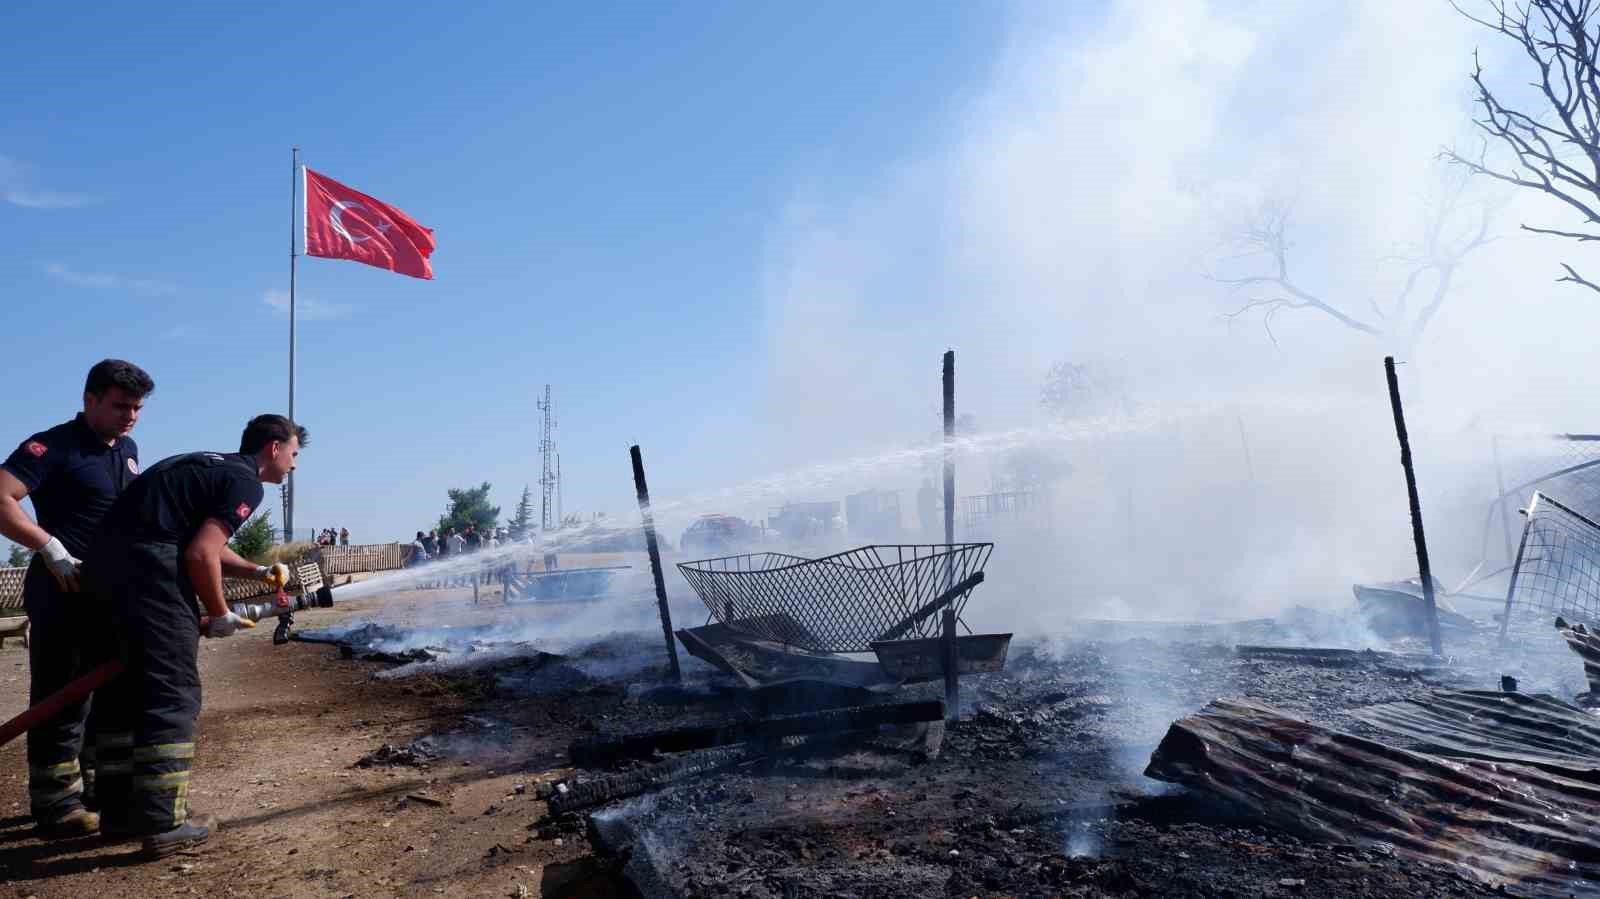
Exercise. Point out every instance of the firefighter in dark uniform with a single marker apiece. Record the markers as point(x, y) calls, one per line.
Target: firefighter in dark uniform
point(162, 546)
point(72, 472)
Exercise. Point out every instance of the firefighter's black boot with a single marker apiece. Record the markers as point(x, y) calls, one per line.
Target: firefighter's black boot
point(193, 832)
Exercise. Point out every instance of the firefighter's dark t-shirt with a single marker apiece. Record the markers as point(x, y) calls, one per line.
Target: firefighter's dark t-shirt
point(73, 477)
point(169, 502)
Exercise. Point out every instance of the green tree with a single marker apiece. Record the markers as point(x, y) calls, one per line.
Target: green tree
point(524, 517)
point(469, 505)
point(19, 557)
point(253, 540)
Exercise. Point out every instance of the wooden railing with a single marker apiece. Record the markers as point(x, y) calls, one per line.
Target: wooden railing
point(331, 559)
point(11, 587)
point(365, 557)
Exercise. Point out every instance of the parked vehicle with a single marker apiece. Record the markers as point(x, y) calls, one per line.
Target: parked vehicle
point(713, 534)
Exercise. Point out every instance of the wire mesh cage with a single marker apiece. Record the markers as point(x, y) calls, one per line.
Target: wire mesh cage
point(1564, 465)
point(842, 602)
point(1557, 571)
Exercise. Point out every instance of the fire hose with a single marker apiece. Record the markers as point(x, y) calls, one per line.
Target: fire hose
point(79, 689)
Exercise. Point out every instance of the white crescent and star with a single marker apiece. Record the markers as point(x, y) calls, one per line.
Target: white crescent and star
point(336, 219)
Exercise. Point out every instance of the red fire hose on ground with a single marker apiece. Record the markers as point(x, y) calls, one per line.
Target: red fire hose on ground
point(51, 705)
point(74, 692)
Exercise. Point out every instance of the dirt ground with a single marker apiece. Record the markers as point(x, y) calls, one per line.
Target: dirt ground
point(280, 731)
point(1036, 793)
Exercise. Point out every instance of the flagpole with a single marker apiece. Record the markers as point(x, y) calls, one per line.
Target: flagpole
point(294, 186)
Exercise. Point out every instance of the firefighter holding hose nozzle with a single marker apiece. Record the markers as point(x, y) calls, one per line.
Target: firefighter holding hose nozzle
point(162, 545)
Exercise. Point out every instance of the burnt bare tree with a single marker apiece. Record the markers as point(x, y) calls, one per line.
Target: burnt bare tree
point(1076, 389)
point(1556, 150)
point(1454, 225)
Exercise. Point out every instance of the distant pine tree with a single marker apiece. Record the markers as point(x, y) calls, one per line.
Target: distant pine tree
point(253, 540)
point(524, 517)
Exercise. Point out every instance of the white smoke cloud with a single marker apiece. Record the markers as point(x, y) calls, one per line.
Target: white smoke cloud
point(1073, 212)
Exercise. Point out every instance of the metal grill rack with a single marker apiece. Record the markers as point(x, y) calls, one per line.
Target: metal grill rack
point(1557, 570)
point(842, 602)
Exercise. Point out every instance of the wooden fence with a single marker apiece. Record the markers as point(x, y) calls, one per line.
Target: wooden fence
point(11, 587)
point(332, 559)
point(366, 557)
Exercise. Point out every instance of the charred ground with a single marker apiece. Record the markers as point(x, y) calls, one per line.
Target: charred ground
point(1038, 791)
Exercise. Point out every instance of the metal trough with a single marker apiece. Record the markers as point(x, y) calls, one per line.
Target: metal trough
point(562, 584)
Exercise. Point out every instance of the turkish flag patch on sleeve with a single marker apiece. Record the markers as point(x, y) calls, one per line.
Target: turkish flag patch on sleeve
point(37, 449)
point(243, 511)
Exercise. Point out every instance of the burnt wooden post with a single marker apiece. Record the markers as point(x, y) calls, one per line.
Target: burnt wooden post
point(952, 683)
point(949, 447)
point(952, 674)
point(1424, 570)
point(655, 559)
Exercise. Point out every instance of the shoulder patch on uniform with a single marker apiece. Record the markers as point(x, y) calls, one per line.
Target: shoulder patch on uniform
point(133, 466)
point(37, 449)
point(243, 511)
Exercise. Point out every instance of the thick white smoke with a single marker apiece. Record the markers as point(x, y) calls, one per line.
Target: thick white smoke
point(1082, 196)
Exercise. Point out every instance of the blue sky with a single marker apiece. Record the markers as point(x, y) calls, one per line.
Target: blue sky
point(603, 183)
point(740, 234)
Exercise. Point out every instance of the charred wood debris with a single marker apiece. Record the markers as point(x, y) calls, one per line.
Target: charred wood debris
point(1302, 769)
point(1302, 766)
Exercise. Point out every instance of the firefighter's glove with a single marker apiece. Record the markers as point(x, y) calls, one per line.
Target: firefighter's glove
point(276, 575)
point(224, 625)
point(61, 564)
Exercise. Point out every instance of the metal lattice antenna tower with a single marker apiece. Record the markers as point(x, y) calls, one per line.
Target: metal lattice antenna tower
point(548, 479)
point(560, 513)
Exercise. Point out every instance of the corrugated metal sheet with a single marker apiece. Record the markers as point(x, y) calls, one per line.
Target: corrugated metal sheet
point(1525, 728)
point(1529, 829)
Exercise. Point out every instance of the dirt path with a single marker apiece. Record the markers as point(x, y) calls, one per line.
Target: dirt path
point(280, 731)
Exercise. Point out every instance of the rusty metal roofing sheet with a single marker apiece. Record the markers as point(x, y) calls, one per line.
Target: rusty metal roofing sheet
point(1531, 830)
point(1529, 729)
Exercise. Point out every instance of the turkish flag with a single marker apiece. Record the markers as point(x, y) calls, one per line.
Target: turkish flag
point(342, 223)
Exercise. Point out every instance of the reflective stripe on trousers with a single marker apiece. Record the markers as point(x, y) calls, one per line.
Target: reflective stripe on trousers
point(59, 650)
point(146, 717)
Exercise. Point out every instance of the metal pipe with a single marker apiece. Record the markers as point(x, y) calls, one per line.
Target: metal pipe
point(1516, 566)
point(1500, 485)
point(294, 184)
